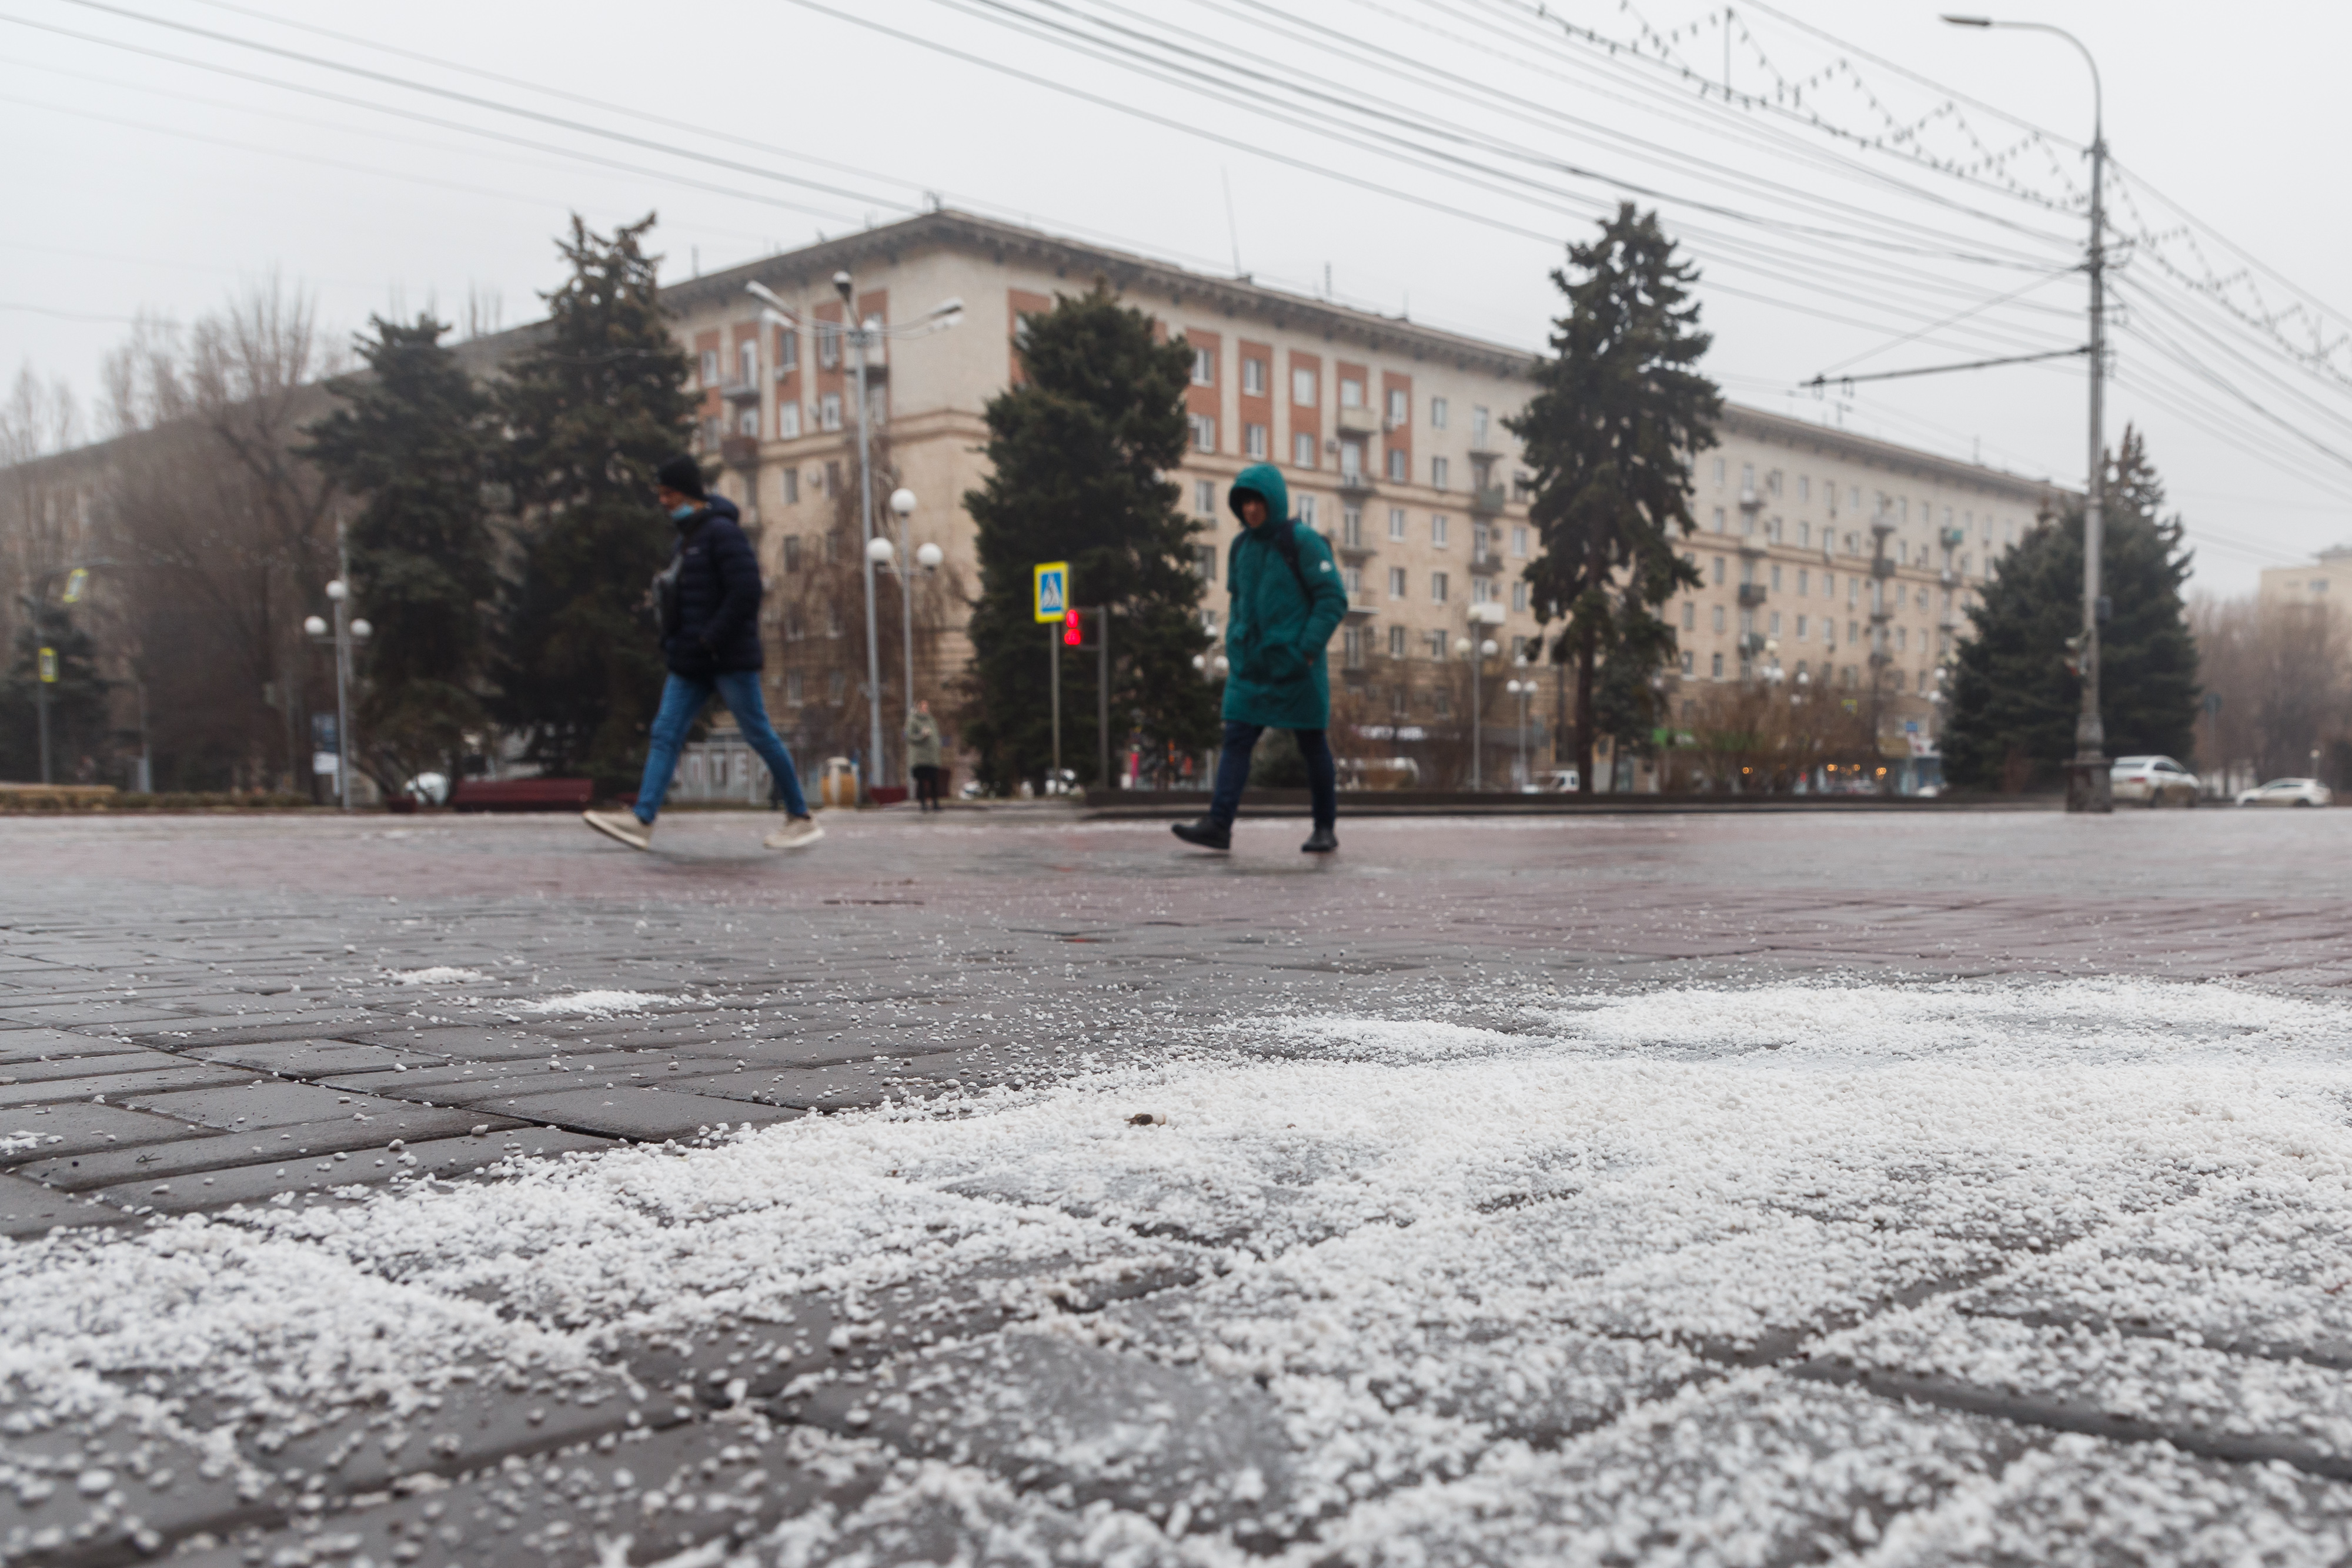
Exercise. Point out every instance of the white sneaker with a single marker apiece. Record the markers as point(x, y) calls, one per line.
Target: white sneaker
point(797, 833)
point(621, 825)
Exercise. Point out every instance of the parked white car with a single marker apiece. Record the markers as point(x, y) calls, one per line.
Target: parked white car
point(2153, 781)
point(2288, 792)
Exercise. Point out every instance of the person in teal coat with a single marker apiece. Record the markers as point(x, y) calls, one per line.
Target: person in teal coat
point(1286, 600)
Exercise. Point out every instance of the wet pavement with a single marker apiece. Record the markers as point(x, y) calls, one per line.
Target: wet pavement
point(1953, 1187)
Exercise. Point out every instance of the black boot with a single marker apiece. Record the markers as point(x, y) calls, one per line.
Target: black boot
point(1321, 842)
point(1208, 833)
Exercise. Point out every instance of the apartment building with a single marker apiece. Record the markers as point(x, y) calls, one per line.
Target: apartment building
point(1826, 558)
point(2327, 580)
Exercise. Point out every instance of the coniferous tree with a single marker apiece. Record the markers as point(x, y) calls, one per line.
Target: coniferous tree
point(2014, 701)
point(1618, 418)
point(591, 407)
point(77, 699)
point(1076, 453)
point(414, 438)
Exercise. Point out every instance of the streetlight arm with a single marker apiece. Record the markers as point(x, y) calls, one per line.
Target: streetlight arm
point(2099, 91)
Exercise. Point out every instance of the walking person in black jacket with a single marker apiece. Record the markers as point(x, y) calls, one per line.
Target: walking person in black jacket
point(711, 638)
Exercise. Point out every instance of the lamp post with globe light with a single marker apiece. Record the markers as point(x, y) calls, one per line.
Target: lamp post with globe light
point(346, 633)
point(882, 554)
point(863, 334)
point(1522, 686)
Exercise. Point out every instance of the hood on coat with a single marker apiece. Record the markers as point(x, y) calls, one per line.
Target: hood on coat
point(1265, 480)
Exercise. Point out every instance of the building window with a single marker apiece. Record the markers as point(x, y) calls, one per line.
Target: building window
point(1400, 408)
point(1718, 620)
point(788, 351)
point(1519, 541)
point(1719, 473)
point(792, 686)
point(1351, 527)
point(1715, 667)
point(1441, 701)
point(1800, 628)
point(747, 361)
point(1775, 577)
point(1302, 449)
point(1688, 661)
point(1396, 582)
point(1398, 459)
point(1774, 629)
point(788, 423)
point(789, 481)
point(829, 412)
point(792, 552)
point(1436, 641)
point(832, 485)
point(1437, 473)
point(1747, 479)
point(1481, 591)
point(1519, 595)
point(1396, 523)
point(1351, 648)
point(1718, 571)
point(1204, 433)
point(1351, 459)
point(1355, 578)
point(1204, 561)
point(1254, 377)
point(708, 372)
point(1204, 367)
point(1302, 388)
point(1479, 421)
point(1204, 497)
point(1351, 394)
point(1437, 413)
point(747, 422)
point(1437, 588)
point(1690, 616)
point(1804, 488)
point(1719, 519)
point(828, 344)
point(1253, 442)
point(1437, 530)
point(1397, 642)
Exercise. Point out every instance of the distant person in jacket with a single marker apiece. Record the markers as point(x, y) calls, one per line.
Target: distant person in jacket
point(923, 756)
point(710, 600)
point(1287, 600)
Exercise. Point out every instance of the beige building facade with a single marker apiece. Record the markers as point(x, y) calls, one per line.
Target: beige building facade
point(1827, 558)
point(2327, 580)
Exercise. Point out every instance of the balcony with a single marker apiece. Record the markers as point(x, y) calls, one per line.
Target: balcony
point(740, 392)
point(1355, 551)
point(1487, 500)
point(1486, 562)
point(740, 452)
point(1750, 499)
point(1356, 481)
point(1358, 421)
point(1751, 594)
point(1882, 566)
point(1754, 544)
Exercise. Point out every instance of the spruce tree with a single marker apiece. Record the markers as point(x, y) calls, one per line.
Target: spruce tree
point(1618, 418)
point(1077, 455)
point(77, 699)
point(414, 438)
point(592, 409)
point(2014, 700)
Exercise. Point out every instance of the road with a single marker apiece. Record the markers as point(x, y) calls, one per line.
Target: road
point(1971, 1188)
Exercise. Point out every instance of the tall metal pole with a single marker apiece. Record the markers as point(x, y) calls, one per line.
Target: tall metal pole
point(907, 616)
point(1102, 691)
point(858, 338)
point(1477, 735)
point(2088, 784)
point(2092, 787)
point(1053, 650)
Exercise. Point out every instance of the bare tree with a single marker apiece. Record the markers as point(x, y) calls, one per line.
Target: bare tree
point(2277, 682)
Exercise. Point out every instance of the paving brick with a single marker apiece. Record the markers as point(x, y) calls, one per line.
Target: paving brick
point(48, 1132)
point(146, 1079)
point(34, 1043)
point(28, 1208)
point(642, 1115)
point(314, 1173)
point(311, 1059)
point(221, 1151)
point(97, 1059)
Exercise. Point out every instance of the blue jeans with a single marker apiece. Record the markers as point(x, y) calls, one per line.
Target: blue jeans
point(1234, 766)
point(683, 700)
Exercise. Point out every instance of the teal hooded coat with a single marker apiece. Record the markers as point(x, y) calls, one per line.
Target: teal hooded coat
point(1280, 619)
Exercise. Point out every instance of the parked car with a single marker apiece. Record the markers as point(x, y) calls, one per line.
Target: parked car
point(2153, 780)
point(2288, 792)
point(1557, 782)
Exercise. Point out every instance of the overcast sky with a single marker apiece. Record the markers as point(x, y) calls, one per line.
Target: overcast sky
point(1423, 155)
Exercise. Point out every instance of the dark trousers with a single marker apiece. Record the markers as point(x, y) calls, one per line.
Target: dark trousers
point(926, 786)
point(1234, 766)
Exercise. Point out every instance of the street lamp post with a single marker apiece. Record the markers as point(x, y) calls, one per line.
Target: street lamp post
point(2088, 784)
point(863, 334)
point(1523, 686)
point(346, 633)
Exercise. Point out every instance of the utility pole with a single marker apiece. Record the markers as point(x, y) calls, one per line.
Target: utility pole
point(847, 289)
point(2089, 787)
point(1102, 693)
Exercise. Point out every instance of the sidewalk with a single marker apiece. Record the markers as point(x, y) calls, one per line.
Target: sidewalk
point(1943, 1187)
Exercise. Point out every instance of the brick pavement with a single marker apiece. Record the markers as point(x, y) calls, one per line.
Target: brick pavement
point(196, 1012)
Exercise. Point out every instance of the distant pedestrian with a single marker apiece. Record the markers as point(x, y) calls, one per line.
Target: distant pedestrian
point(1286, 601)
point(709, 600)
point(923, 756)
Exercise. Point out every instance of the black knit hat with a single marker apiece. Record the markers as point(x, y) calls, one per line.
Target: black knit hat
point(683, 475)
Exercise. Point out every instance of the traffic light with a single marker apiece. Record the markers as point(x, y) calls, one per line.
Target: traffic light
point(1073, 631)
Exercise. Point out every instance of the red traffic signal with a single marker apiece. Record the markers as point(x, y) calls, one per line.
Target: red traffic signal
point(1073, 630)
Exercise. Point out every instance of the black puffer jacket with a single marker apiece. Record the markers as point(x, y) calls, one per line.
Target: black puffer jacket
point(718, 625)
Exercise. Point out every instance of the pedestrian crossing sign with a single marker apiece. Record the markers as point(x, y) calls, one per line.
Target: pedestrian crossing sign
point(1052, 581)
